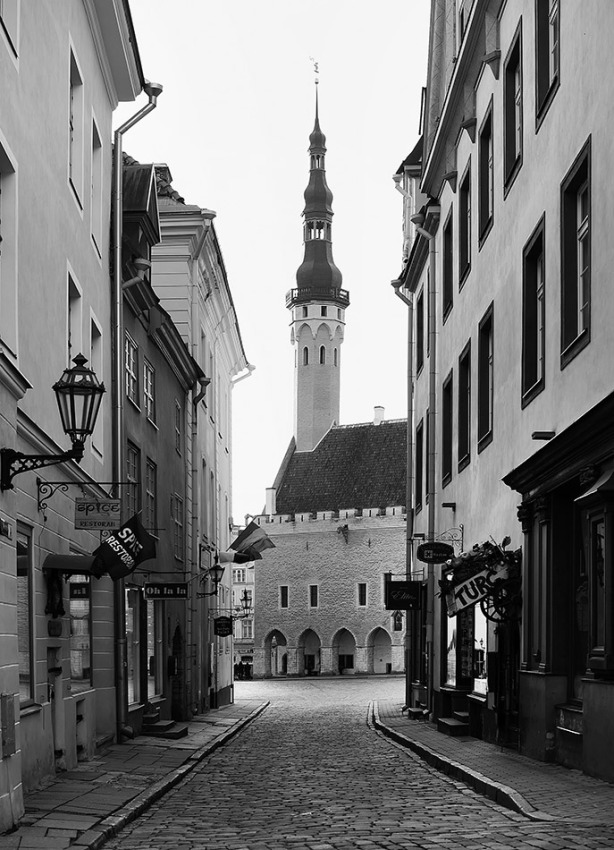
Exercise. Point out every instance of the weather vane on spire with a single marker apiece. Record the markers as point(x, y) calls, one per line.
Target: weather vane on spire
point(316, 69)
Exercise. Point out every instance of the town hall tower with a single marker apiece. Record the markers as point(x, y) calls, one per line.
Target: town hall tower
point(317, 305)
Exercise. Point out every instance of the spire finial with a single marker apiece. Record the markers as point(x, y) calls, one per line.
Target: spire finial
point(316, 71)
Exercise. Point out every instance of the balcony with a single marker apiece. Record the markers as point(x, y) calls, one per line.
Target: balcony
point(340, 297)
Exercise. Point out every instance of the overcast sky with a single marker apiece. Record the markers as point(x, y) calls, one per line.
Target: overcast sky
point(233, 125)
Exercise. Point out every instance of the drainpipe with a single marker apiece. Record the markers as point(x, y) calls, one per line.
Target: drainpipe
point(117, 435)
point(433, 215)
point(409, 510)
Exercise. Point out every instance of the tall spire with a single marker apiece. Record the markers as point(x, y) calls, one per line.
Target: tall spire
point(318, 306)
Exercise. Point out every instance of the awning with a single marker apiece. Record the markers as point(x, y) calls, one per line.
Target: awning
point(69, 564)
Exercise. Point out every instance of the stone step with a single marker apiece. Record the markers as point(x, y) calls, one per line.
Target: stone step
point(450, 726)
point(418, 713)
point(463, 716)
point(165, 729)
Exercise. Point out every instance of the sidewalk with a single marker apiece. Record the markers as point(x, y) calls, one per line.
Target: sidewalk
point(538, 790)
point(82, 808)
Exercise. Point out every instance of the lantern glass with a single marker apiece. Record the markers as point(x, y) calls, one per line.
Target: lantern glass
point(216, 572)
point(79, 395)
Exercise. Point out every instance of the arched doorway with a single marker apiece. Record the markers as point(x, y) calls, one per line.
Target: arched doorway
point(275, 654)
point(308, 654)
point(379, 651)
point(344, 652)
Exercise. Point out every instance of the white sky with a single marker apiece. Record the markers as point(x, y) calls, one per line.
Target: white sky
point(233, 125)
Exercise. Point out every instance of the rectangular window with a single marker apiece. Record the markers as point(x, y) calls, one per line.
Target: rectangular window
point(178, 428)
point(446, 429)
point(427, 465)
point(247, 629)
point(96, 190)
point(24, 614)
point(8, 251)
point(9, 22)
point(150, 513)
point(75, 320)
point(420, 332)
point(96, 362)
point(448, 266)
point(133, 654)
point(486, 176)
point(485, 379)
point(313, 595)
point(533, 316)
point(133, 477)
point(464, 227)
point(155, 649)
point(283, 596)
point(419, 463)
point(464, 407)
point(547, 29)
point(75, 130)
point(576, 257)
point(238, 575)
point(177, 514)
point(131, 365)
point(362, 594)
point(512, 110)
point(80, 611)
point(149, 388)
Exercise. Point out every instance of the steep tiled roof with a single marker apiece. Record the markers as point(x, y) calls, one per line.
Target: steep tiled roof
point(353, 466)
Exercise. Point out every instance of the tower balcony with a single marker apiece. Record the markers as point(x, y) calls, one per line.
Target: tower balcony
point(307, 294)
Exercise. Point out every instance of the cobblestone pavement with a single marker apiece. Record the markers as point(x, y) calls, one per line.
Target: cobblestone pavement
point(311, 773)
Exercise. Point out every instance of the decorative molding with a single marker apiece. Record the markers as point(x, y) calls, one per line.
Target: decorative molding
point(493, 60)
point(469, 124)
point(525, 516)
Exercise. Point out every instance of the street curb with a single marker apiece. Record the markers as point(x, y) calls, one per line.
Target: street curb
point(496, 791)
point(111, 825)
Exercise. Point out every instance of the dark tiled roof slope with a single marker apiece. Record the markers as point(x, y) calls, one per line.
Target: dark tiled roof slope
point(353, 466)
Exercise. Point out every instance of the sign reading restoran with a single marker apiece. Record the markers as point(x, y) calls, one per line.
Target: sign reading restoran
point(97, 513)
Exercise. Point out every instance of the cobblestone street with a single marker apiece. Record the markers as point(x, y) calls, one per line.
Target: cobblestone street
point(310, 773)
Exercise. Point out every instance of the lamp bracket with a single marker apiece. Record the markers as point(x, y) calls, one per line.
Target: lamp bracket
point(46, 489)
point(12, 463)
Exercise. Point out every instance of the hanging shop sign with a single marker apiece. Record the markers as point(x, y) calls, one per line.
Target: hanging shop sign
point(435, 552)
point(402, 595)
point(222, 626)
point(98, 513)
point(488, 574)
point(170, 590)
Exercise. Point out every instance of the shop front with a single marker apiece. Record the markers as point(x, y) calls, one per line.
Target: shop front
point(566, 696)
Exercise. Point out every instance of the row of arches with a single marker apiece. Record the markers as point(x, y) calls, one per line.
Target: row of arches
point(322, 356)
point(308, 656)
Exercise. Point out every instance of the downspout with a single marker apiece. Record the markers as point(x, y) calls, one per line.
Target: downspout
point(409, 510)
point(117, 398)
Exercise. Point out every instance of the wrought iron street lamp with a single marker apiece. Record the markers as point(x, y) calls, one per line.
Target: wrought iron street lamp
point(215, 573)
point(79, 395)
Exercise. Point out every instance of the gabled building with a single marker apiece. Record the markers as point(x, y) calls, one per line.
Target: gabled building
point(335, 512)
point(508, 282)
point(65, 66)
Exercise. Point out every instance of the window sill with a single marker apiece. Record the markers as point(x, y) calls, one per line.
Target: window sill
point(446, 480)
point(511, 176)
point(464, 462)
point(546, 103)
point(485, 441)
point(462, 279)
point(531, 393)
point(484, 232)
point(575, 347)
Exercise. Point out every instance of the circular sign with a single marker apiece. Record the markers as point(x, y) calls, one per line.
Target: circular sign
point(435, 552)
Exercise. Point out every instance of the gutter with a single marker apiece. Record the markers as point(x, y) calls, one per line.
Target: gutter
point(117, 396)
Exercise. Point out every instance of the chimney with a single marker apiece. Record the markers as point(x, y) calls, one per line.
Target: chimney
point(378, 414)
point(271, 498)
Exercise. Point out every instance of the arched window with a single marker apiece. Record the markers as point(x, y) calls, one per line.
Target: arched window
point(335, 357)
point(305, 356)
point(322, 355)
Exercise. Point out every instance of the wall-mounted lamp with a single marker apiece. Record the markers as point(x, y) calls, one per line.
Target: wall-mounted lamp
point(79, 394)
point(418, 220)
point(142, 266)
point(543, 435)
point(215, 573)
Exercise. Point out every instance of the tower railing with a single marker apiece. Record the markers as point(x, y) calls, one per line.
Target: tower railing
point(307, 293)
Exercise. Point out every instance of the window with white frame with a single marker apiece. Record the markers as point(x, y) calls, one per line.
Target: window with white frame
point(96, 363)
point(133, 479)
point(178, 428)
point(576, 257)
point(131, 366)
point(75, 320)
point(150, 501)
point(247, 629)
point(486, 176)
point(485, 379)
point(512, 110)
point(149, 387)
point(25, 650)
point(177, 515)
point(533, 316)
point(547, 32)
point(76, 130)
point(96, 189)
point(9, 22)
